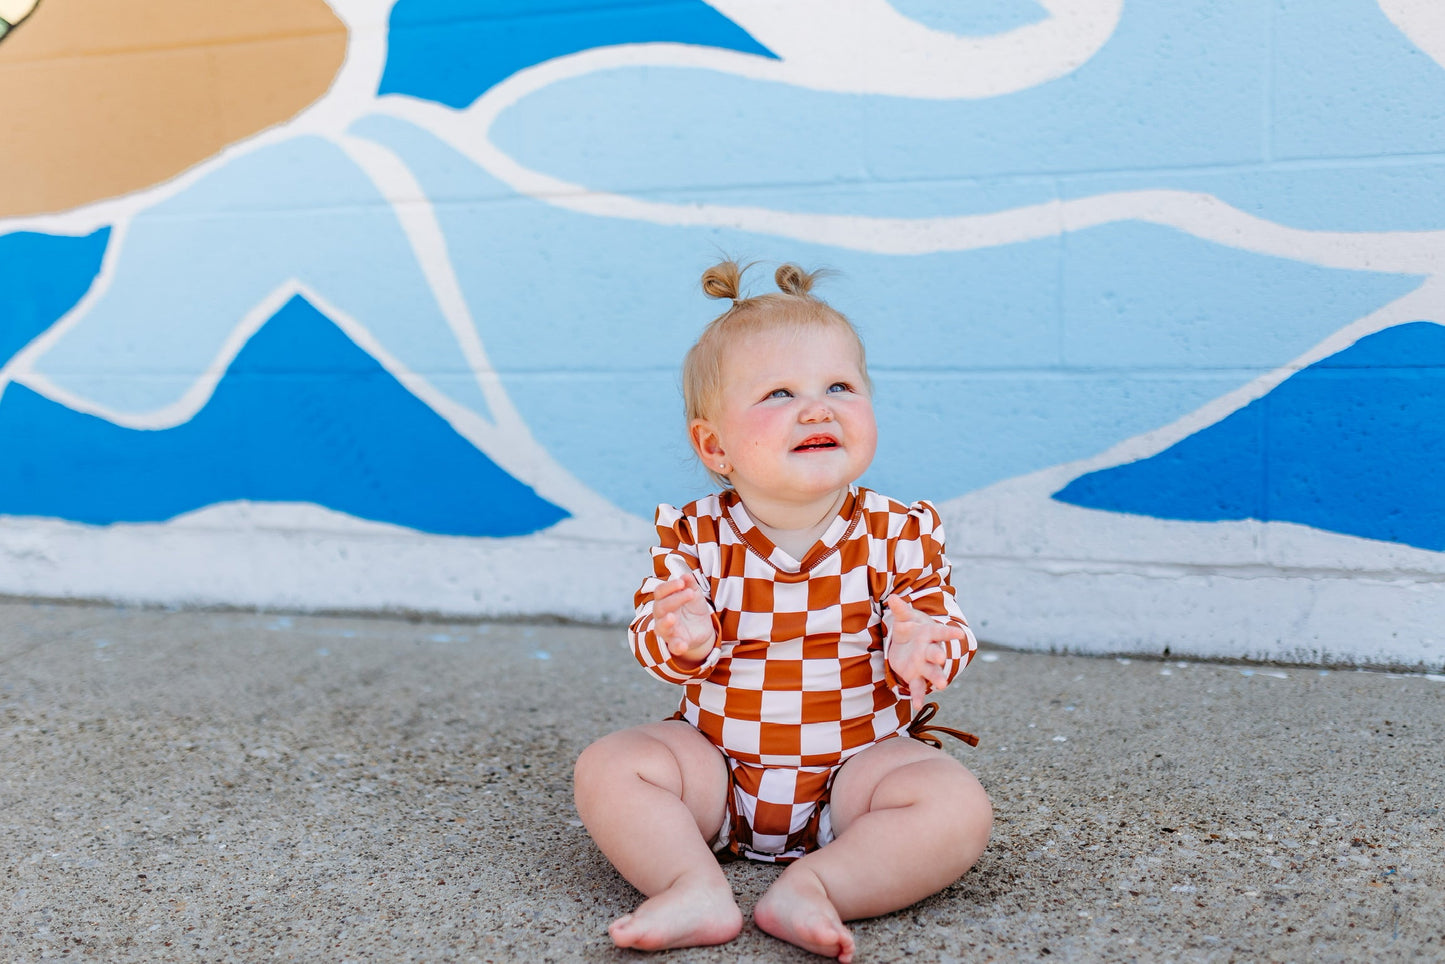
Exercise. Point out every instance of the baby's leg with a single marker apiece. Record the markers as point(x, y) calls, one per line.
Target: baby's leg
point(908, 819)
point(652, 797)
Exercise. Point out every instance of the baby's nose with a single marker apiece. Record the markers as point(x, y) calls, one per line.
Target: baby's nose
point(818, 412)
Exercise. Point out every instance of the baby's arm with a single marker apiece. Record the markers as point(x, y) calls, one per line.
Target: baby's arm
point(675, 631)
point(929, 642)
point(919, 651)
point(683, 619)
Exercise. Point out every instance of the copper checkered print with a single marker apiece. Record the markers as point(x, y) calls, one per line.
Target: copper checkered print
point(799, 677)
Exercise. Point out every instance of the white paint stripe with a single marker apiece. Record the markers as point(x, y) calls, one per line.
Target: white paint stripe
point(1423, 21)
point(394, 181)
point(507, 439)
point(1200, 215)
point(1426, 303)
point(868, 47)
point(510, 444)
point(20, 364)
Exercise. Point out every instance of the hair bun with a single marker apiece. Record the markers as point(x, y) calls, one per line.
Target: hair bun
point(723, 280)
point(793, 280)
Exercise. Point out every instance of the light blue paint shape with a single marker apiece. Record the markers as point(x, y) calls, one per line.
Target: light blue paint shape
point(972, 17)
point(452, 51)
point(1349, 83)
point(1354, 444)
point(301, 415)
point(194, 265)
point(1141, 296)
point(1381, 194)
point(942, 434)
point(1178, 84)
point(966, 347)
point(42, 276)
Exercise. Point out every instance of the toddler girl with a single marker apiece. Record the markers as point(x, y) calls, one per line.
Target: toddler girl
point(805, 618)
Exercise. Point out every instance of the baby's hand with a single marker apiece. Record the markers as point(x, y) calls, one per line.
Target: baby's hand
point(916, 653)
point(682, 619)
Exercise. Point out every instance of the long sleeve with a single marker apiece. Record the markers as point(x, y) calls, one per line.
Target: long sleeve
point(674, 555)
point(921, 572)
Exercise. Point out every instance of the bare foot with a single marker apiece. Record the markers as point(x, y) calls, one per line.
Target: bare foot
point(797, 909)
point(687, 914)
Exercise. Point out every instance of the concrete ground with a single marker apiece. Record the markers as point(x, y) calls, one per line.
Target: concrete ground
point(187, 786)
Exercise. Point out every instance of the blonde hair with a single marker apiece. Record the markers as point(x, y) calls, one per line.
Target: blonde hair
point(791, 308)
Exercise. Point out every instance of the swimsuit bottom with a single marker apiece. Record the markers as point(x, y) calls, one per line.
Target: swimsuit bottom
point(778, 814)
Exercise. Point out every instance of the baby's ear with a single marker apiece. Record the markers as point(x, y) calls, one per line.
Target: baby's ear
point(705, 441)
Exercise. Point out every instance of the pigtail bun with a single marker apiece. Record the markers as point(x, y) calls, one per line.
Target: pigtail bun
point(793, 280)
point(723, 280)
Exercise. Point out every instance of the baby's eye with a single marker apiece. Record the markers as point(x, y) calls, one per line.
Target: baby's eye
point(780, 393)
point(840, 387)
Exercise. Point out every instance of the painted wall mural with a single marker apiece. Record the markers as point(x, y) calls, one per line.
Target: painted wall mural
point(375, 304)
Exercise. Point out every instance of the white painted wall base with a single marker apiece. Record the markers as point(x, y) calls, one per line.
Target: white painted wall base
point(301, 557)
point(1031, 573)
point(1038, 574)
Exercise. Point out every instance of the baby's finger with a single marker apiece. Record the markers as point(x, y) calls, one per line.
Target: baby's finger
point(941, 632)
point(917, 689)
point(674, 601)
point(671, 587)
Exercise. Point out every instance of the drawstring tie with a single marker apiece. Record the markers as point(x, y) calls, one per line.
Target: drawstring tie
point(921, 731)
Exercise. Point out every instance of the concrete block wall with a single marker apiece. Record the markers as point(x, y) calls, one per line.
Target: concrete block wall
point(375, 305)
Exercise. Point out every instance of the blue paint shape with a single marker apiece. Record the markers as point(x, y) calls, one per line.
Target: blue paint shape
point(1178, 85)
point(1143, 296)
point(302, 415)
point(971, 359)
point(1352, 444)
point(453, 51)
point(42, 276)
point(198, 261)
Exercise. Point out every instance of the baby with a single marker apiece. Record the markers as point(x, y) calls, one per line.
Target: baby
point(805, 618)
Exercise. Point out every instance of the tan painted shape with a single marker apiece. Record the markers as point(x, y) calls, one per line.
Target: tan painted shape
point(104, 98)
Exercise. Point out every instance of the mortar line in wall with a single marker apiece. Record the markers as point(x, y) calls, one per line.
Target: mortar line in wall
point(1056, 178)
point(1158, 371)
point(1398, 160)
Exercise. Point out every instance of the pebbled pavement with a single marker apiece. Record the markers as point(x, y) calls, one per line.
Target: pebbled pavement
point(188, 786)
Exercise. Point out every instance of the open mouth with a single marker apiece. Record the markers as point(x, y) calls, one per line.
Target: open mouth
point(815, 443)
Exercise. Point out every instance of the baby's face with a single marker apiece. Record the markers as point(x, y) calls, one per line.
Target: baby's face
point(795, 421)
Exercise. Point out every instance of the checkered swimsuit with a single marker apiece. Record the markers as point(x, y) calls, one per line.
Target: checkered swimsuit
point(798, 682)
